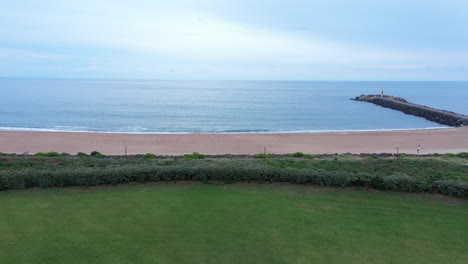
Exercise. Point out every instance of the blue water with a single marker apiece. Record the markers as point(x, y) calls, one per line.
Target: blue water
point(142, 106)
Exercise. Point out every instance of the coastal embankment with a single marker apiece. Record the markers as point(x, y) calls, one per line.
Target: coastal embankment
point(447, 140)
point(429, 113)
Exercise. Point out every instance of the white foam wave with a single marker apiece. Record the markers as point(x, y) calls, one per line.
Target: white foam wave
point(140, 130)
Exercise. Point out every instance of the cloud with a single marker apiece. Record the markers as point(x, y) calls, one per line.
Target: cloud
point(7, 53)
point(203, 37)
point(154, 38)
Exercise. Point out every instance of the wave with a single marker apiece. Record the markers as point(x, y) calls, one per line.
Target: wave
point(141, 130)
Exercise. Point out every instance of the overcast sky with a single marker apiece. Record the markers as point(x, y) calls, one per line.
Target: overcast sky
point(236, 39)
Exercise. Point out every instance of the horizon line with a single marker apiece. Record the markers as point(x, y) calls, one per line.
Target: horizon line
point(259, 80)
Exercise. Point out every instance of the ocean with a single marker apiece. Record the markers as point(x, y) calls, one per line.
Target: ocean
point(148, 106)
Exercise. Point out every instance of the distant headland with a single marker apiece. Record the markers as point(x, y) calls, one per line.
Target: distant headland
point(429, 113)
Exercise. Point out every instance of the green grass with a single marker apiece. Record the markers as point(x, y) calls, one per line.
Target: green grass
point(236, 223)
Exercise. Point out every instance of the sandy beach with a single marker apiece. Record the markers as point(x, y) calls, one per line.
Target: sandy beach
point(434, 140)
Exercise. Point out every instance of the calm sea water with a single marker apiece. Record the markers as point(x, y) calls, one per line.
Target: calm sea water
point(141, 106)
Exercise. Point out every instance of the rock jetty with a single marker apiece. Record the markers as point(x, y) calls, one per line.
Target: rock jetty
point(429, 113)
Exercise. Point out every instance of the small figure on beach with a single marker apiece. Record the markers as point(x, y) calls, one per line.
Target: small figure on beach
point(381, 95)
point(418, 148)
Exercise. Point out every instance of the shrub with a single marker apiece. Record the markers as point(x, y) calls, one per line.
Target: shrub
point(64, 154)
point(377, 182)
point(262, 156)
point(403, 182)
point(435, 154)
point(195, 155)
point(238, 171)
point(82, 154)
point(462, 155)
point(450, 155)
point(451, 187)
point(2, 154)
point(99, 155)
point(402, 155)
point(94, 153)
point(377, 173)
point(149, 156)
point(46, 154)
point(297, 154)
point(309, 156)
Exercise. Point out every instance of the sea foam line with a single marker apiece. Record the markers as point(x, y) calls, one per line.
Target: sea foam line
point(84, 130)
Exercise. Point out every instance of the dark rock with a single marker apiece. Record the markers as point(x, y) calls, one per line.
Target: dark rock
point(400, 104)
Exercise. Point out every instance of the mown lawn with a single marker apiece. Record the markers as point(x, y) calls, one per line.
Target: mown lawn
point(230, 223)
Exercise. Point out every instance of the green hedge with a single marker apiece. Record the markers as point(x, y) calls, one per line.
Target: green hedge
point(149, 156)
point(451, 187)
point(195, 155)
point(46, 154)
point(297, 154)
point(262, 156)
point(82, 154)
point(403, 182)
point(211, 171)
point(310, 156)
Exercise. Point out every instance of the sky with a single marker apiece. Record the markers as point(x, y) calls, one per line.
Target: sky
point(392, 40)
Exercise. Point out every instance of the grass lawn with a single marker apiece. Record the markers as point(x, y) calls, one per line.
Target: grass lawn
point(233, 223)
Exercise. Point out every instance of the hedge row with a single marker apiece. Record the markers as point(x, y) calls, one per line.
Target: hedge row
point(85, 176)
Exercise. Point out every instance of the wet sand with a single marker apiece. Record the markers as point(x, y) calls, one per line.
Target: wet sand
point(452, 140)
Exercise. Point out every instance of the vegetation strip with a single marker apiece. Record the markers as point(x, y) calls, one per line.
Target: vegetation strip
point(411, 173)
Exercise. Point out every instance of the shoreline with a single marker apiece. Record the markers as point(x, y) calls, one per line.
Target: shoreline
point(436, 140)
point(220, 133)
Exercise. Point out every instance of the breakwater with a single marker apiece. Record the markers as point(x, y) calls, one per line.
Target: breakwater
point(429, 113)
